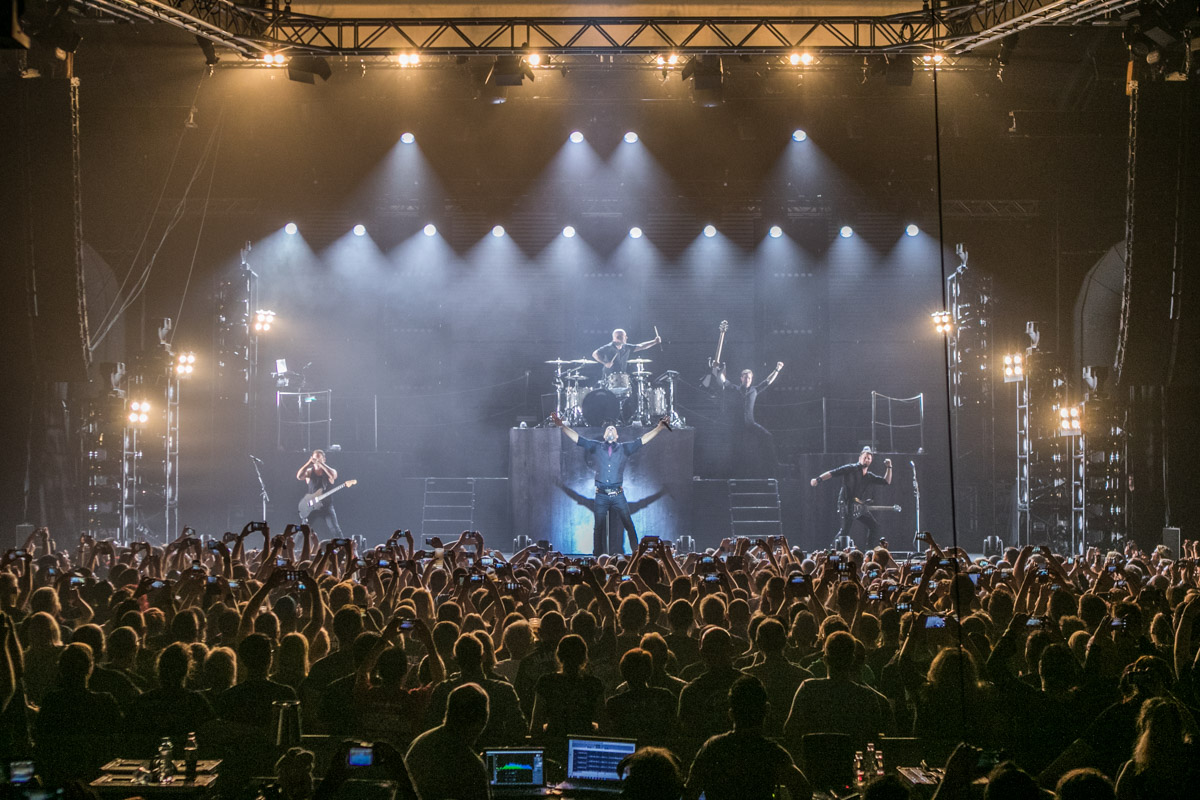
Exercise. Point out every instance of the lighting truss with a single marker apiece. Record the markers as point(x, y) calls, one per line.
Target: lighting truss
point(950, 29)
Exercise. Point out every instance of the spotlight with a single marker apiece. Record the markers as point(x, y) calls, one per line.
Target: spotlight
point(806, 59)
point(799, 135)
point(276, 59)
point(360, 230)
point(498, 231)
point(660, 61)
point(534, 59)
point(912, 230)
point(408, 59)
point(934, 58)
point(710, 231)
point(509, 71)
point(794, 59)
point(635, 232)
point(942, 322)
point(185, 364)
point(672, 59)
point(263, 320)
point(290, 229)
point(407, 137)
point(631, 137)
point(576, 137)
point(775, 232)
point(430, 229)
point(1070, 421)
point(846, 232)
point(1014, 368)
point(569, 232)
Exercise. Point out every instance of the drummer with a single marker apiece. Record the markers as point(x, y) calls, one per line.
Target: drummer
point(615, 354)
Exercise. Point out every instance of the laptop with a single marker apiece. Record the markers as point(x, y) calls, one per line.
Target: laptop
point(516, 770)
point(592, 763)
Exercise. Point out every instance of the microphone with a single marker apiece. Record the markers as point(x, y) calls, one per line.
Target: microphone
point(256, 458)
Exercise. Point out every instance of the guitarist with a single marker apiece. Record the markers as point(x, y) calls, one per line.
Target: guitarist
point(321, 477)
point(755, 445)
point(857, 479)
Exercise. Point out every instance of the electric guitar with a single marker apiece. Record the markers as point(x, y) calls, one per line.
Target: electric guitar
point(714, 363)
point(860, 507)
point(315, 501)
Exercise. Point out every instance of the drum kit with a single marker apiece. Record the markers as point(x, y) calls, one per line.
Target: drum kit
point(619, 398)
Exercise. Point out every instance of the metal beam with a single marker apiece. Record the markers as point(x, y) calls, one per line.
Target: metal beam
point(953, 28)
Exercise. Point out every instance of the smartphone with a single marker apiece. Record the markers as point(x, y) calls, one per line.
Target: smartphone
point(1120, 623)
point(917, 581)
point(651, 540)
point(935, 622)
point(511, 586)
point(214, 545)
point(361, 756)
point(708, 564)
point(281, 562)
point(916, 569)
point(874, 596)
point(834, 558)
point(383, 562)
point(1121, 584)
point(902, 607)
point(20, 772)
point(1006, 573)
point(1034, 622)
point(1054, 587)
point(796, 580)
point(407, 624)
point(712, 581)
point(872, 574)
point(293, 575)
point(234, 584)
point(945, 563)
point(989, 571)
point(475, 578)
point(210, 580)
point(626, 578)
point(258, 526)
point(573, 575)
point(341, 542)
point(77, 580)
point(485, 561)
point(157, 585)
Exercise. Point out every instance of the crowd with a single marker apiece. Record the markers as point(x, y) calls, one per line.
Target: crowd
point(738, 671)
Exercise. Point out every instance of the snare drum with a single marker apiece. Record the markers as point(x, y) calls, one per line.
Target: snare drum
point(617, 383)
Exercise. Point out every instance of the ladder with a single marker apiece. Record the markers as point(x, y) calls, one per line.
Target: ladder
point(448, 508)
point(754, 510)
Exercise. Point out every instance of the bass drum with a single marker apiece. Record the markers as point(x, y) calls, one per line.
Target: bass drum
point(601, 407)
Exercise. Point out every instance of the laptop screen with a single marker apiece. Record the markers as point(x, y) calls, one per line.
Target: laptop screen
point(515, 768)
point(596, 759)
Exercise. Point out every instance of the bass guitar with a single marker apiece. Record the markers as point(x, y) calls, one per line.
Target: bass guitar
point(315, 501)
point(714, 363)
point(860, 507)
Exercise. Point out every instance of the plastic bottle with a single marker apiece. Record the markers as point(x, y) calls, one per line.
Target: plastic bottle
point(191, 758)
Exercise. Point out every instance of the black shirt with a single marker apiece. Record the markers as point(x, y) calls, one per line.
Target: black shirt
point(609, 460)
point(318, 481)
point(855, 483)
point(740, 765)
point(749, 397)
point(617, 355)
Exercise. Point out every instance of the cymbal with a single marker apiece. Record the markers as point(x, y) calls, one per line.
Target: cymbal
point(640, 361)
point(560, 361)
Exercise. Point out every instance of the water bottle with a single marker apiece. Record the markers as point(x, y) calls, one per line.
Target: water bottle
point(191, 758)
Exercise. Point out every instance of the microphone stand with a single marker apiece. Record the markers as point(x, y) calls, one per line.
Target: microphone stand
point(262, 487)
point(916, 506)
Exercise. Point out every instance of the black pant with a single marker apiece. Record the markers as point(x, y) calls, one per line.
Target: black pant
point(754, 451)
point(328, 517)
point(869, 522)
point(604, 504)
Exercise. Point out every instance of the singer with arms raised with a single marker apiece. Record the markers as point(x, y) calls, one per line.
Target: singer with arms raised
point(608, 459)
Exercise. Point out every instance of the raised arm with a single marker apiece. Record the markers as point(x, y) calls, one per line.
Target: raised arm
point(646, 345)
point(302, 473)
point(774, 373)
point(567, 429)
point(650, 434)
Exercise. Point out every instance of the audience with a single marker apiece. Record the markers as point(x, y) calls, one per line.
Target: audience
point(1083, 671)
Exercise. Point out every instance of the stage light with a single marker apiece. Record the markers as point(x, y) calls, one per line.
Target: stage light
point(942, 322)
point(934, 58)
point(1070, 421)
point(569, 232)
point(631, 137)
point(846, 232)
point(912, 230)
point(407, 137)
point(576, 137)
point(498, 231)
point(408, 59)
point(306, 69)
point(794, 59)
point(185, 364)
point(672, 59)
point(775, 232)
point(534, 59)
point(360, 230)
point(799, 135)
point(430, 229)
point(275, 59)
point(710, 231)
point(1014, 368)
point(806, 59)
point(263, 319)
point(635, 232)
point(290, 229)
point(509, 71)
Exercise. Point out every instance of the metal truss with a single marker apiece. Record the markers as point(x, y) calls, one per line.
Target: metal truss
point(956, 28)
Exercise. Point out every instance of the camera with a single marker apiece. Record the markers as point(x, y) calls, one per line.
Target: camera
point(361, 756)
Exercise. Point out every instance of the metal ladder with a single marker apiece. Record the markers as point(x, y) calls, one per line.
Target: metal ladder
point(448, 508)
point(754, 509)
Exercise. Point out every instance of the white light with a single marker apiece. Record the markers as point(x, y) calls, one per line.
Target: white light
point(576, 137)
point(794, 59)
point(631, 137)
point(846, 232)
point(498, 231)
point(430, 229)
point(360, 230)
point(635, 232)
point(534, 59)
point(661, 61)
point(280, 58)
point(133, 417)
point(710, 231)
point(799, 135)
point(569, 232)
point(135, 405)
point(775, 232)
point(402, 59)
point(806, 59)
point(142, 418)
point(912, 230)
point(191, 358)
point(407, 138)
point(290, 229)
point(673, 59)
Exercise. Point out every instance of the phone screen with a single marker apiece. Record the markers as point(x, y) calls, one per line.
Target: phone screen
point(935, 622)
point(361, 756)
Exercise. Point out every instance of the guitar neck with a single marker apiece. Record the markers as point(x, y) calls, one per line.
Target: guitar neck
point(334, 490)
